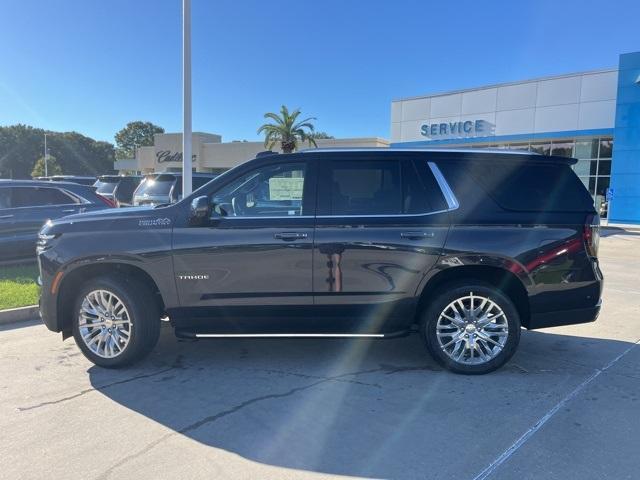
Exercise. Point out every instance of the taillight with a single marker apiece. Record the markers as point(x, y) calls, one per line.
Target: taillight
point(107, 201)
point(591, 234)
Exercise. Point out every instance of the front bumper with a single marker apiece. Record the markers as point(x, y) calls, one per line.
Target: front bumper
point(564, 317)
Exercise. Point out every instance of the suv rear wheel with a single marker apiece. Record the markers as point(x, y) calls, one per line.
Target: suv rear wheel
point(116, 321)
point(471, 327)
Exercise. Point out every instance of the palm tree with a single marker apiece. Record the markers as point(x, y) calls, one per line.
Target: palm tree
point(287, 130)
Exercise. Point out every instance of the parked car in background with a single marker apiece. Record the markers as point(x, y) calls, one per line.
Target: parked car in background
point(69, 178)
point(165, 188)
point(118, 188)
point(463, 246)
point(25, 205)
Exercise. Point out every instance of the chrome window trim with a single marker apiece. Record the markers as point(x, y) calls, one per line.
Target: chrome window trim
point(451, 199)
point(390, 215)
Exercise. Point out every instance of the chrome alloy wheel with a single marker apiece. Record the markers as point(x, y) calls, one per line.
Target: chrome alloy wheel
point(104, 323)
point(472, 330)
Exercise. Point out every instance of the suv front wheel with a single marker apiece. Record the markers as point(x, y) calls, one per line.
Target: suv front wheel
point(471, 328)
point(116, 321)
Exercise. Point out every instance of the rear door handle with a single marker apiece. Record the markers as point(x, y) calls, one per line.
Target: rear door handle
point(69, 210)
point(5, 216)
point(417, 235)
point(289, 236)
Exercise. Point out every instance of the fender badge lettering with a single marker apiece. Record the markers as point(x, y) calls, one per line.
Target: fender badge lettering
point(194, 276)
point(154, 222)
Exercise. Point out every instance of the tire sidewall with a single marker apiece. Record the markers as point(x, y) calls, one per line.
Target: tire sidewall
point(126, 291)
point(448, 294)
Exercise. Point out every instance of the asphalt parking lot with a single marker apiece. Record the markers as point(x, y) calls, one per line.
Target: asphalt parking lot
point(566, 407)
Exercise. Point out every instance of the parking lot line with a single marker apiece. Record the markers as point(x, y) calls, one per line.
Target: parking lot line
point(547, 416)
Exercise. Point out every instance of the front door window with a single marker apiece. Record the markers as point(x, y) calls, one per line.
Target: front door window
point(269, 191)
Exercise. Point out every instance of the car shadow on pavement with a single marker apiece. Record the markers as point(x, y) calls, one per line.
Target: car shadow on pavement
point(380, 408)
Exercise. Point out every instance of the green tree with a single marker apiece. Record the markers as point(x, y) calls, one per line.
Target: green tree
point(287, 130)
point(321, 136)
point(134, 135)
point(53, 168)
point(21, 146)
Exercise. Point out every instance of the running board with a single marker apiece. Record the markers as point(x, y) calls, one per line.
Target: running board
point(183, 333)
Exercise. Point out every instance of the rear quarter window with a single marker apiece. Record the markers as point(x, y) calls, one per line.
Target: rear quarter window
point(522, 186)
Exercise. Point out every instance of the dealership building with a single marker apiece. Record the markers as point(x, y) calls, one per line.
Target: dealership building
point(592, 116)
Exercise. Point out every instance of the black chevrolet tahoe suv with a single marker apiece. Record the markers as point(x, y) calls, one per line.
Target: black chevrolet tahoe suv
point(463, 246)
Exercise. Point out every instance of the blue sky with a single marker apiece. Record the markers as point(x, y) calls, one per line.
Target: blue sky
point(92, 66)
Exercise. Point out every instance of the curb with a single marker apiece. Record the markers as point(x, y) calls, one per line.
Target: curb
point(21, 314)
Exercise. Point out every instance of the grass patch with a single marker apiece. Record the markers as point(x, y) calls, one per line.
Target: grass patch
point(18, 287)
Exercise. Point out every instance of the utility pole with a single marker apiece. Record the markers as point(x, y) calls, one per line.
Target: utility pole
point(186, 98)
point(46, 157)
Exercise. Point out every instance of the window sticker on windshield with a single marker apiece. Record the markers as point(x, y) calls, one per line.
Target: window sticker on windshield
point(285, 188)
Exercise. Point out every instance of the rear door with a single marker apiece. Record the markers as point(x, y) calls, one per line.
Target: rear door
point(380, 227)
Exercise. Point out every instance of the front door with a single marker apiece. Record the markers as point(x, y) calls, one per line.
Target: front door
point(380, 227)
point(252, 261)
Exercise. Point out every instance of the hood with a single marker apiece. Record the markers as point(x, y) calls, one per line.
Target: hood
point(130, 218)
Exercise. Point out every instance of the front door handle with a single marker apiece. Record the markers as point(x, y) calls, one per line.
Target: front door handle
point(416, 235)
point(289, 236)
point(69, 210)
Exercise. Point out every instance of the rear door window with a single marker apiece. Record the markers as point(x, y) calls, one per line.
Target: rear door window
point(378, 187)
point(365, 187)
point(40, 196)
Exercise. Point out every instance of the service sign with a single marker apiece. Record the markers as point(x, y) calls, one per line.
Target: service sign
point(467, 128)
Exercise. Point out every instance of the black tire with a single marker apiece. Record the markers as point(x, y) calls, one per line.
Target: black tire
point(448, 294)
point(143, 312)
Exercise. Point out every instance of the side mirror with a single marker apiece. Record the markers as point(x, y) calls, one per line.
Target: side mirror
point(200, 210)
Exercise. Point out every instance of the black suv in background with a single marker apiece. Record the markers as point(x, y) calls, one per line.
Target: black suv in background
point(464, 247)
point(25, 205)
point(163, 188)
point(118, 188)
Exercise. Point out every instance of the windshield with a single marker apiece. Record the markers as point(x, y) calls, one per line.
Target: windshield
point(160, 185)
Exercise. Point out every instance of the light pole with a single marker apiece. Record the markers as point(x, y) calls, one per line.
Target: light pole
point(46, 155)
point(186, 98)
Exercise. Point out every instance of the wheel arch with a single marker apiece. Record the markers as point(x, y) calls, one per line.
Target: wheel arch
point(502, 279)
point(74, 278)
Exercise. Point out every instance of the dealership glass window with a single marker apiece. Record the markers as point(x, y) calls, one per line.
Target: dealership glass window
point(601, 185)
point(543, 148)
point(585, 167)
point(587, 148)
point(562, 149)
point(606, 148)
point(604, 167)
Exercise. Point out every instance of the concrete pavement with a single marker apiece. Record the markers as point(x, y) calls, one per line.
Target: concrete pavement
point(566, 407)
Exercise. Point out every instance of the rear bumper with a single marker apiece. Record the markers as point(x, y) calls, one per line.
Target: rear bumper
point(564, 317)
